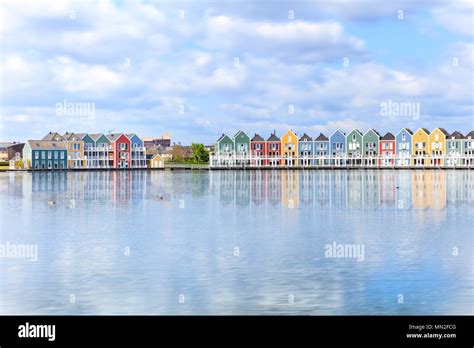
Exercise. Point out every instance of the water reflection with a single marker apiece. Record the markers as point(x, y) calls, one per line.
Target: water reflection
point(182, 229)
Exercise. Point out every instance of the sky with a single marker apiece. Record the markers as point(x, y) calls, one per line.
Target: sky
point(197, 69)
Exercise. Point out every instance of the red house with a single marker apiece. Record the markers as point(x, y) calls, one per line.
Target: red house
point(273, 149)
point(121, 145)
point(387, 150)
point(257, 150)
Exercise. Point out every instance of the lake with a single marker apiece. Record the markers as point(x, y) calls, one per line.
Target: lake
point(237, 242)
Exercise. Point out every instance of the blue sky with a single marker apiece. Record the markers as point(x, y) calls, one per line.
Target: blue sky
point(196, 69)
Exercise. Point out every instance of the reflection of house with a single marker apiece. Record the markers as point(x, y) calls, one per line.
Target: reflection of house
point(258, 180)
point(388, 196)
point(273, 186)
point(420, 182)
point(404, 190)
point(371, 189)
point(289, 188)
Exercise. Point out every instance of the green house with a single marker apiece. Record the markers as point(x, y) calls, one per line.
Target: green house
point(370, 143)
point(224, 146)
point(354, 147)
point(242, 144)
point(454, 148)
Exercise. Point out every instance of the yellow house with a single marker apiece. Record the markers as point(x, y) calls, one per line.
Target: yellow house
point(289, 148)
point(155, 161)
point(420, 147)
point(437, 146)
point(75, 150)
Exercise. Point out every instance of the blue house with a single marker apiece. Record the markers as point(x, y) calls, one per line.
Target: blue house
point(137, 152)
point(337, 147)
point(403, 144)
point(321, 149)
point(306, 151)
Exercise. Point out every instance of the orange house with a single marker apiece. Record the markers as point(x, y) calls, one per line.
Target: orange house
point(437, 146)
point(289, 148)
point(420, 147)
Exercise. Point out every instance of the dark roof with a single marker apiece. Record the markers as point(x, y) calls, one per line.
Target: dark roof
point(273, 137)
point(257, 137)
point(388, 136)
point(470, 135)
point(445, 132)
point(305, 137)
point(371, 129)
point(358, 131)
point(408, 130)
point(456, 135)
point(322, 137)
point(426, 130)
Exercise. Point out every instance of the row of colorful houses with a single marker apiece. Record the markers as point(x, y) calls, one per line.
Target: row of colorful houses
point(421, 148)
point(87, 151)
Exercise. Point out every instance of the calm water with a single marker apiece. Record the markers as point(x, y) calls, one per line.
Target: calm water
point(238, 242)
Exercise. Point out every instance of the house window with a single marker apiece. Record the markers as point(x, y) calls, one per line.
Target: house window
point(55, 155)
point(403, 137)
point(49, 154)
point(43, 155)
point(353, 137)
point(62, 154)
point(37, 155)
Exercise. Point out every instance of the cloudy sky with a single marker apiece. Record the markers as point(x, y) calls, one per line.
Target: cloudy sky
point(197, 69)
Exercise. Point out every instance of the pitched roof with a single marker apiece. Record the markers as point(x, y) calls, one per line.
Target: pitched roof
point(426, 130)
point(53, 136)
point(222, 137)
point(358, 131)
point(371, 129)
point(338, 130)
point(95, 136)
point(444, 131)
point(47, 145)
point(406, 129)
point(322, 137)
point(456, 135)
point(257, 137)
point(114, 136)
point(305, 137)
point(388, 136)
point(72, 136)
point(470, 135)
point(239, 131)
point(273, 137)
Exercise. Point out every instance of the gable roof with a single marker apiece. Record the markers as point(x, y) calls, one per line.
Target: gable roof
point(257, 137)
point(337, 130)
point(72, 136)
point(222, 137)
point(273, 137)
point(322, 137)
point(53, 136)
point(305, 137)
point(356, 130)
point(408, 130)
point(425, 130)
point(240, 131)
point(47, 145)
point(371, 129)
point(114, 136)
point(456, 135)
point(388, 136)
point(444, 131)
point(470, 135)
